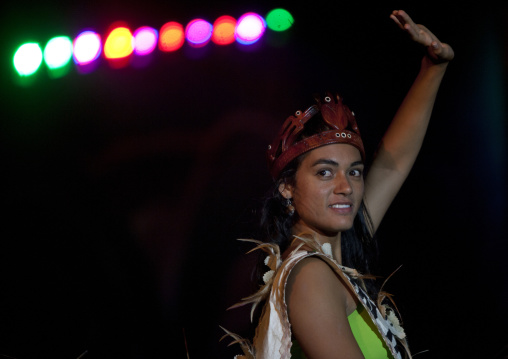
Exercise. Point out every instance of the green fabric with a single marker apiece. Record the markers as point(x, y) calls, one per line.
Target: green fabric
point(366, 334)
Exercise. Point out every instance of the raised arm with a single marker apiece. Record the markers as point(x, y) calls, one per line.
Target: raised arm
point(402, 141)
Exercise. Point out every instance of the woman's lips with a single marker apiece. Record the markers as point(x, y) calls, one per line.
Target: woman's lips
point(342, 207)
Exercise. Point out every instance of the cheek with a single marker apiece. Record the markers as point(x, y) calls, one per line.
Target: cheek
point(359, 189)
point(309, 199)
point(303, 206)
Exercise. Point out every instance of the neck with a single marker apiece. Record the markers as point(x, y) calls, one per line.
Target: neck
point(321, 238)
point(336, 249)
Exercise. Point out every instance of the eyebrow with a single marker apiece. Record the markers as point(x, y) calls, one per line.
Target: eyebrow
point(325, 161)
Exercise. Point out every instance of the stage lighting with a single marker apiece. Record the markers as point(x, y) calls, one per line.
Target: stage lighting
point(145, 40)
point(86, 47)
point(171, 37)
point(224, 30)
point(27, 59)
point(250, 28)
point(198, 32)
point(58, 52)
point(118, 44)
point(279, 20)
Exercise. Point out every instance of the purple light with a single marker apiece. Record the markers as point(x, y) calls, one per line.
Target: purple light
point(86, 47)
point(145, 40)
point(198, 32)
point(250, 28)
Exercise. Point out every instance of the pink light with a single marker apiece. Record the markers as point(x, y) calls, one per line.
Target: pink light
point(250, 28)
point(86, 47)
point(145, 40)
point(198, 32)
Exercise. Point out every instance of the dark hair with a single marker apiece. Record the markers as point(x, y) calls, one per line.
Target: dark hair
point(358, 246)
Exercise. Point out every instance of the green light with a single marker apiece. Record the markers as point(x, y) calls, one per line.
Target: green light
point(58, 52)
point(279, 20)
point(27, 59)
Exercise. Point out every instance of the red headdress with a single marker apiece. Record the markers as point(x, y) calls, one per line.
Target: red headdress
point(337, 116)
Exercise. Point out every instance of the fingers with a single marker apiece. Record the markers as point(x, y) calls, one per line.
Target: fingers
point(394, 17)
point(428, 35)
point(402, 19)
point(437, 51)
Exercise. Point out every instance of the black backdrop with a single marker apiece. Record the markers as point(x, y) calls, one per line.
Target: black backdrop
point(124, 189)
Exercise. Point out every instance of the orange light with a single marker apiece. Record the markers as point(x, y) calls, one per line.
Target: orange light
point(224, 30)
point(171, 36)
point(118, 43)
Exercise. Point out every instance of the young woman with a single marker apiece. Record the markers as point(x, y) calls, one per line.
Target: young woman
point(319, 301)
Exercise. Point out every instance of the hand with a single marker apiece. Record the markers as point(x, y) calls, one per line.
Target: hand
point(437, 51)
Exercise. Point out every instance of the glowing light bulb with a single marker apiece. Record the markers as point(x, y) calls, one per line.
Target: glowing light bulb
point(224, 30)
point(171, 37)
point(58, 52)
point(250, 28)
point(27, 59)
point(86, 47)
point(279, 20)
point(145, 40)
point(198, 32)
point(118, 44)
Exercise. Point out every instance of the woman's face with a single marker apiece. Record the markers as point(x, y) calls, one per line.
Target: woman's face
point(328, 189)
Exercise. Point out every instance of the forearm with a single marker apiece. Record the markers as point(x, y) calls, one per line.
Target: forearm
point(403, 139)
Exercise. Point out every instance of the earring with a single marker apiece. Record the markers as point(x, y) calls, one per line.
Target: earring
point(290, 209)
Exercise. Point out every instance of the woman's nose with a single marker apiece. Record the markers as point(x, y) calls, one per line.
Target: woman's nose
point(342, 185)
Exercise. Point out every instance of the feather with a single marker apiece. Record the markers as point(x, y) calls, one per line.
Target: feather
point(273, 263)
point(385, 295)
point(245, 344)
point(401, 337)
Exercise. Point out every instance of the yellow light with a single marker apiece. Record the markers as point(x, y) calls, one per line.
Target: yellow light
point(119, 43)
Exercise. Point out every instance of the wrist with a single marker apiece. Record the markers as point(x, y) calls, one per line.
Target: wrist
point(429, 63)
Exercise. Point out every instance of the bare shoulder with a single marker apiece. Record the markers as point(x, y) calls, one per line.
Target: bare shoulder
point(313, 281)
point(318, 303)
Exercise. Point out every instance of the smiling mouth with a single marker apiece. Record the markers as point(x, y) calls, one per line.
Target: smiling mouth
point(340, 206)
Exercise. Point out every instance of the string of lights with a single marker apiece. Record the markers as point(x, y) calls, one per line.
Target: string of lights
point(61, 52)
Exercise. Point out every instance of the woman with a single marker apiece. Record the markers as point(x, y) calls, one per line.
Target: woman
point(321, 221)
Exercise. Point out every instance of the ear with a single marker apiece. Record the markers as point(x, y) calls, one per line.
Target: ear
point(286, 190)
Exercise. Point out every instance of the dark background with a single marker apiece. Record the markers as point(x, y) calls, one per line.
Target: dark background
point(124, 189)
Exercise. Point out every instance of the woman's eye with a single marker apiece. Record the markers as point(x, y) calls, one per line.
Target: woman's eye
point(325, 173)
point(356, 173)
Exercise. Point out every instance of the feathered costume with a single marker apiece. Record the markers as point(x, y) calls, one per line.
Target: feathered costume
point(273, 338)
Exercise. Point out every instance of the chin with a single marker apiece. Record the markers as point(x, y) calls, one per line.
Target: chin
point(344, 225)
point(333, 231)
point(329, 228)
